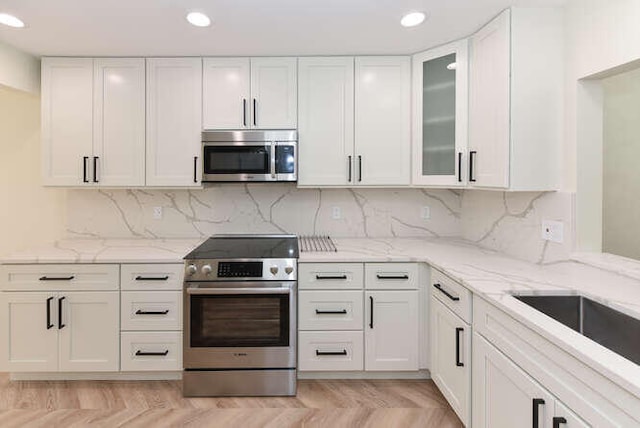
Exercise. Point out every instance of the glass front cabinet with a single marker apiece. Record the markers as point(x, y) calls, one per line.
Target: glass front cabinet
point(441, 116)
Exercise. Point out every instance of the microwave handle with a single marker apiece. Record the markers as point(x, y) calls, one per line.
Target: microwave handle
point(273, 159)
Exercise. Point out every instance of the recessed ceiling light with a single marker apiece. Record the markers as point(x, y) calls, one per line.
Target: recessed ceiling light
point(412, 19)
point(198, 19)
point(10, 20)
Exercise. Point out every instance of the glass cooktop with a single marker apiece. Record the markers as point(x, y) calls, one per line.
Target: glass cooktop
point(247, 247)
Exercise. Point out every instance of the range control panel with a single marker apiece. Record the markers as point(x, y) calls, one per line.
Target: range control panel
point(235, 270)
point(240, 269)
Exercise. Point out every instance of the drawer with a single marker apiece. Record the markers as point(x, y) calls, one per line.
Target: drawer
point(330, 310)
point(151, 310)
point(151, 351)
point(330, 350)
point(152, 277)
point(391, 276)
point(59, 277)
point(332, 276)
point(452, 294)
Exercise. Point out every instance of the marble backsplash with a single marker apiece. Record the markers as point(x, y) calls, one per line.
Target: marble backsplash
point(506, 222)
point(262, 208)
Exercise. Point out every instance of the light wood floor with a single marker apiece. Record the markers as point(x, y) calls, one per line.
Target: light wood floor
point(319, 403)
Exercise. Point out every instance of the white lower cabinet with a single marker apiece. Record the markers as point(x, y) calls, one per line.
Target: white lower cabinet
point(330, 310)
point(331, 350)
point(451, 358)
point(151, 351)
point(88, 331)
point(391, 331)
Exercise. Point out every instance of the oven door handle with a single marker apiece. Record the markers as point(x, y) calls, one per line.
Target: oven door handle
point(226, 291)
point(273, 159)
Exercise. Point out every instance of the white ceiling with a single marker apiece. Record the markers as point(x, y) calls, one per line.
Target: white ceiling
point(242, 27)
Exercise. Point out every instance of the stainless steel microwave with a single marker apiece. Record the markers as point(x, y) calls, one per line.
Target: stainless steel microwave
point(230, 156)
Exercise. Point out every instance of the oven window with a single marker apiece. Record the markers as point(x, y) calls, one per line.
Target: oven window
point(236, 160)
point(285, 159)
point(239, 321)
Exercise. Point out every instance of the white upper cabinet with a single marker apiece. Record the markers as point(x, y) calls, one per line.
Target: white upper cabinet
point(119, 128)
point(174, 121)
point(382, 121)
point(67, 120)
point(326, 97)
point(226, 93)
point(274, 96)
point(259, 93)
point(440, 106)
point(515, 100)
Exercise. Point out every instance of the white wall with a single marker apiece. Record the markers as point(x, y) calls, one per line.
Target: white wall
point(621, 184)
point(30, 214)
point(19, 70)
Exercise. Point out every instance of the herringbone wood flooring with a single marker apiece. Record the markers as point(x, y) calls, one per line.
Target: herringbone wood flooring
point(319, 403)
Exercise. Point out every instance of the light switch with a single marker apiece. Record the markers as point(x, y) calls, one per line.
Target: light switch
point(553, 231)
point(157, 213)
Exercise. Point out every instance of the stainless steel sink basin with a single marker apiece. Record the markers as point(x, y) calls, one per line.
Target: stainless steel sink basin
point(610, 328)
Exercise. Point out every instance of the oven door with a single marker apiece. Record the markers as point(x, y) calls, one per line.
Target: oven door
point(240, 325)
point(238, 161)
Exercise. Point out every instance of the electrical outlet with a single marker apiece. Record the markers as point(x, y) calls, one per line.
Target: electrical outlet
point(553, 231)
point(425, 213)
point(336, 213)
point(157, 213)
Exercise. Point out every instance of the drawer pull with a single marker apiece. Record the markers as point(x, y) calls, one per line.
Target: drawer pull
point(152, 278)
point(392, 276)
point(141, 312)
point(57, 278)
point(340, 312)
point(446, 293)
point(325, 353)
point(151, 354)
point(330, 277)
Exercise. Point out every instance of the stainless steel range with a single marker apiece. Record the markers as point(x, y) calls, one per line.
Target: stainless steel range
point(240, 295)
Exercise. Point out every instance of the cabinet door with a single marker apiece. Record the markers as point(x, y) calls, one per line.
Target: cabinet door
point(565, 418)
point(226, 93)
point(382, 120)
point(174, 121)
point(326, 121)
point(504, 396)
point(451, 358)
point(67, 120)
point(28, 333)
point(274, 93)
point(489, 104)
point(119, 129)
point(440, 115)
point(89, 331)
point(391, 330)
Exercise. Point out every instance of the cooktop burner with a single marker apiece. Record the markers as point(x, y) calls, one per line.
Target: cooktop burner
point(247, 247)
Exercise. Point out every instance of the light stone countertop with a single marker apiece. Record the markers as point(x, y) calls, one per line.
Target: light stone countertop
point(486, 273)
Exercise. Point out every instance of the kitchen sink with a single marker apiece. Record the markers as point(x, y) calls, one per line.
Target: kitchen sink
point(610, 328)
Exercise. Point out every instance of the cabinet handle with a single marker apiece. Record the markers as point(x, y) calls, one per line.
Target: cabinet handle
point(460, 167)
point(339, 312)
point(331, 277)
point(446, 293)
point(95, 169)
point(140, 353)
point(49, 325)
point(195, 169)
point(60, 325)
point(323, 353)
point(371, 307)
point(458, 362)
point(392, 276)
point(537, 402)
point(244, 112)
point(56, 278)
point(472, 160)
point(359, 168)
point(558, 420)
point(349, 161)
point(255, 120)
point(85, 159)
point(152, 278)
point(141, 312)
